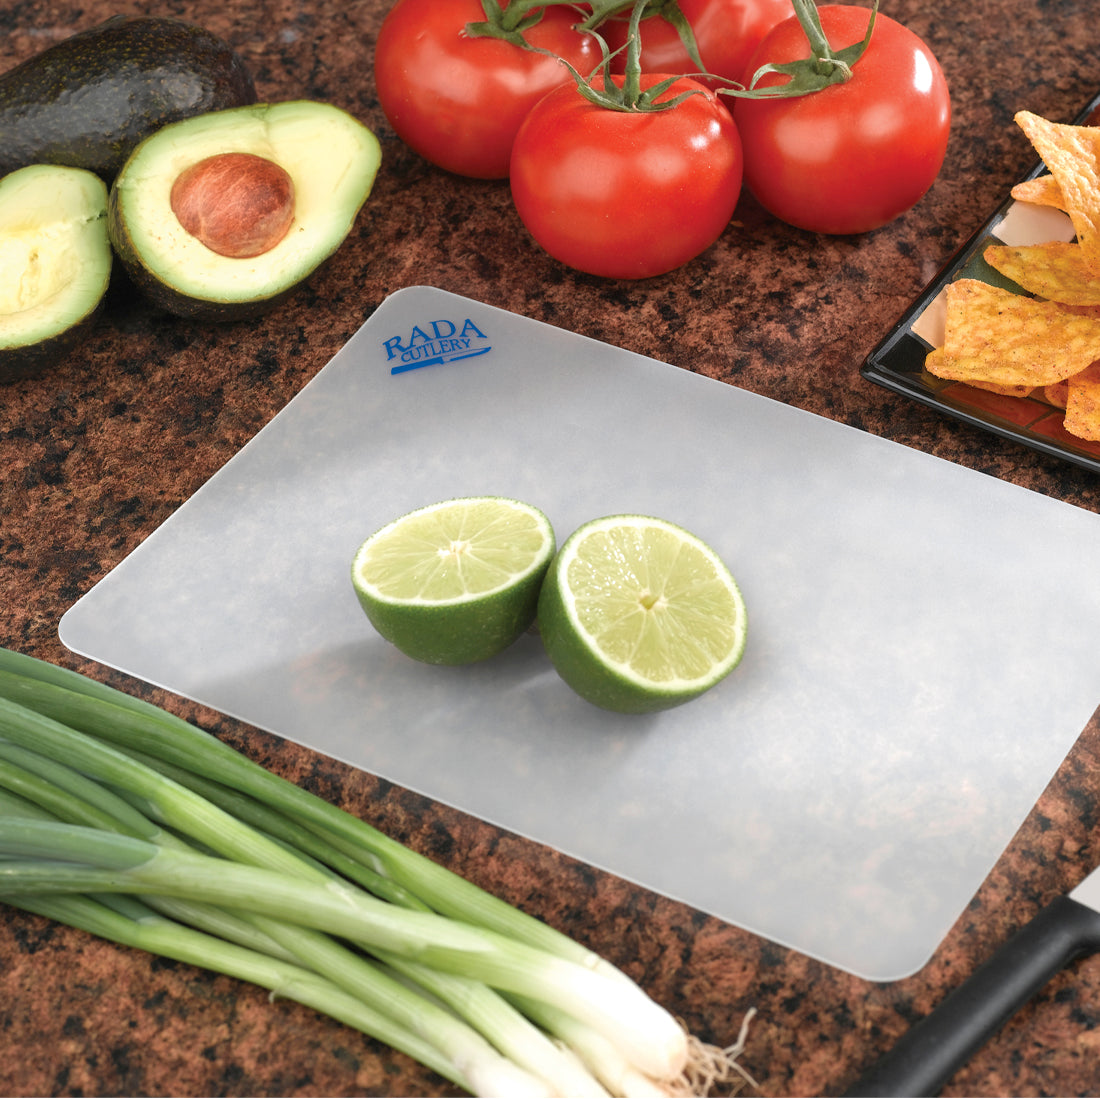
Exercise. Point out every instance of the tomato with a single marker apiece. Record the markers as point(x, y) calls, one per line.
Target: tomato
point(458, 100)
point(726, 34)
point(853, 156)
point(626, 194)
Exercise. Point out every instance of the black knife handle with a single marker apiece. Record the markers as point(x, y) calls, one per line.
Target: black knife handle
point(926, 1057)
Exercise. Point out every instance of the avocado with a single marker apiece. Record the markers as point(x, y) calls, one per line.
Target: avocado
point(303, 169)
point(87, 101)
point(55, 264)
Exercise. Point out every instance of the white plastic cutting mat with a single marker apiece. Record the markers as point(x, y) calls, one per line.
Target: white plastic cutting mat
point(919, 660)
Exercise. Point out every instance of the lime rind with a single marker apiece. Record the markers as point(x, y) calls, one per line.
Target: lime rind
point(638, 614)
point(457, 581)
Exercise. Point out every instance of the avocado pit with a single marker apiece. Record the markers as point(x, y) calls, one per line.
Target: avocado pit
point(237, 204)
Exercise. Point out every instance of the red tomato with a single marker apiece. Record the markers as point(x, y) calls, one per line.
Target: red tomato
point(726, 34)
point(630, 194)
point(853, 156)
point(457, 100)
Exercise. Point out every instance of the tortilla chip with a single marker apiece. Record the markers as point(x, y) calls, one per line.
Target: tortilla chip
point(1042, 191)
point(1083, 403)
point(1072, 154)
point(1045, 341)
point(993, 335)
point(1054, 270)
point(1004, 391)
point(1056, 394)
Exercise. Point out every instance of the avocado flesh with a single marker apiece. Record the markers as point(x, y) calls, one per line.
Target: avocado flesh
point(331, 158)
point(55, 262)
point(88, 100)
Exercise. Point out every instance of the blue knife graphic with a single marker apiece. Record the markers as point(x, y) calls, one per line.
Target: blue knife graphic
point(445, 358)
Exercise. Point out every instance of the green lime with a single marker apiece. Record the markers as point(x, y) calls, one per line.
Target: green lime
point(638, 614)
point(457, 581)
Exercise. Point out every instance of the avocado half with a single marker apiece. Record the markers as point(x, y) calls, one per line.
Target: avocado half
point(55, 264)
point(332, 160)
point(88, 100)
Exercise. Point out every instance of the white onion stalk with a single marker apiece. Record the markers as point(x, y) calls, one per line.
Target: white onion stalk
point(519, 1039)
point(605, 1060)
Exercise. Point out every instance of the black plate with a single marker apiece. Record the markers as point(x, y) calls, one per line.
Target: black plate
point(897, 363)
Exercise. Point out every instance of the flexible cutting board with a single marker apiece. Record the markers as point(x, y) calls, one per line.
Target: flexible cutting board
point(924, 640)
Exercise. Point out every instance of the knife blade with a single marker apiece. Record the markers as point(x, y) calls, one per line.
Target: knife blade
point(926, 1057)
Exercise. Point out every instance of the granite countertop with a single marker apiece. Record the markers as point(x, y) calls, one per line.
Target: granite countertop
point(99, 451)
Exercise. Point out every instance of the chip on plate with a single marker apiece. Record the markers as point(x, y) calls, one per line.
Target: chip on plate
point(1004, 391)
point(1083, 403)
point(1056, 394)
point(995, 336)
point(1057, 270)
point(1072, 154)
point(1042, 191)
point(1045, 340)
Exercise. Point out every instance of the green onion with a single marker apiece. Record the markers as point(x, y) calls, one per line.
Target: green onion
point(125, 820)
point(289, 832)
point(93, 860)
point(140, 927)
point(137, 725)
point(525, 1045)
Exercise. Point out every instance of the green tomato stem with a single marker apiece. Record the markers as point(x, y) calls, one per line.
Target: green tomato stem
point(672, 14)
point(509, 23)
point(823, 68)
point(632, 70)
point(808, 16)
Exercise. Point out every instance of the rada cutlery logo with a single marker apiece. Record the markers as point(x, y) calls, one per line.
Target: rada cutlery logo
point(434, 343)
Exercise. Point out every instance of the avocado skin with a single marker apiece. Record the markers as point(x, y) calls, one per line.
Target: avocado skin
point(89, 100)
point(32, 359)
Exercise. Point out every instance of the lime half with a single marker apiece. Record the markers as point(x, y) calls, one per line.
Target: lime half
point(639, 615)
point(457, 581)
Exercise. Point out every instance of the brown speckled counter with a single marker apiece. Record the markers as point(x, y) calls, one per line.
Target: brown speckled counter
point(99, 451)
